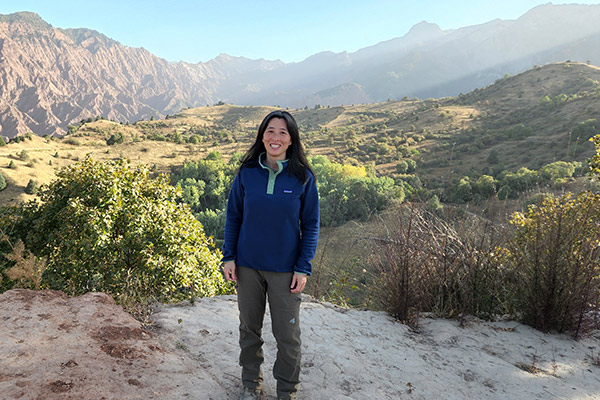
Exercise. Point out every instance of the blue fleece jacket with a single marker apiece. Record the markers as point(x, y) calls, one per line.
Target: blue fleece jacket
point(272, 220)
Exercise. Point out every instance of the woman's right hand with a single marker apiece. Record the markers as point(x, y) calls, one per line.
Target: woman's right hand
point(229, 271)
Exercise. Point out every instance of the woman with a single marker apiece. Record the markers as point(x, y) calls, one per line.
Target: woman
point(271, 233)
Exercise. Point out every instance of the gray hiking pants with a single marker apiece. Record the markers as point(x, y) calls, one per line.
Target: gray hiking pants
point(253, 288)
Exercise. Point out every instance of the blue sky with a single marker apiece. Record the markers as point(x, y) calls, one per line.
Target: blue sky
point(194, 31)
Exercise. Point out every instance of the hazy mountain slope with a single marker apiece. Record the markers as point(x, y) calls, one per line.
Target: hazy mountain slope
point(50, 77)
point(429, 62)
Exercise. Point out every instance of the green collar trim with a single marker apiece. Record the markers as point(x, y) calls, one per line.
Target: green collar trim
point(272, 174)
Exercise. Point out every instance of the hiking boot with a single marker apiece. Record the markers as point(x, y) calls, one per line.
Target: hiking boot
point(251, 394)
point(291, 396)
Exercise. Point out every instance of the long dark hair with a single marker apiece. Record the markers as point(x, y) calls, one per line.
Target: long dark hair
point(297, 164)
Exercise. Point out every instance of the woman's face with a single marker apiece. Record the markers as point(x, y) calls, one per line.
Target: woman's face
point(276, 139)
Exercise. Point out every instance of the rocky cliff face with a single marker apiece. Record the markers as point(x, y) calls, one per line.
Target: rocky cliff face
point(51, 77)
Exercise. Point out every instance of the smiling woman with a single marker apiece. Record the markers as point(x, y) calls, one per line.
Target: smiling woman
point(276, 141)
point(271, 233)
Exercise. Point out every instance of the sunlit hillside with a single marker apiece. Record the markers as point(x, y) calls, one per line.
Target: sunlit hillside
point(542, 115)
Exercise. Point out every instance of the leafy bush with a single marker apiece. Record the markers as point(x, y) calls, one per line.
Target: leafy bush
point(115, 138)
point(205, 185)
point(402, 167)
point(2, 182)
point(586, 129)
point(485, 186)
point(32, 187)
point(493, 157)
point(557, 171)
point(350, 192)
point(595, 161)
point(519, 131)
point(461, 191)
point(73, 141)
point(513, 183)
point(24, 155)
point(554, 262)
point(110, 227)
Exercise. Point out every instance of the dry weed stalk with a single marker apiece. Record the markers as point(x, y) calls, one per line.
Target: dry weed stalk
point(427, 264)
point(28, 269)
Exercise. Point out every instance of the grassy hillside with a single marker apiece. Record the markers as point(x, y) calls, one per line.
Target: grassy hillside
point(527, 120)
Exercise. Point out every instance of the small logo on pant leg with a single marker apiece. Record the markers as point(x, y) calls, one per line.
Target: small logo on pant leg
point(293, 320)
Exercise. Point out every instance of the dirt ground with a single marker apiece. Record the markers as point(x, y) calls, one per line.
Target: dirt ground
point(57, 347)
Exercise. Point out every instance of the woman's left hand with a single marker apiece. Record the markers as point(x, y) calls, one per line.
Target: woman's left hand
point(298, 283)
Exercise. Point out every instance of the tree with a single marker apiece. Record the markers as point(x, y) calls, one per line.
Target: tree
point(2, 141)
point(516, 182)
point(557, 171)
point(2, 182)
point(351, 192)
point(485, 186)
point(110, 227)
point(462, 191)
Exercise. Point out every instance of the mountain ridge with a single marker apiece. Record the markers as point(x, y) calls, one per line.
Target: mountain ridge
point(54, 77)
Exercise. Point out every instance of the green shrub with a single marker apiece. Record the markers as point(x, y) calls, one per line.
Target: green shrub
point(73, 141)
point(2, 182)
point(461, 191)
point(485, 186)
point(402, 167)
point(517, 182)
point(115, 138)
point(24, 155)
point(595, 161)
point(412, 165)
point(557, 171)
point(586, 129)
point(554, 263)
point(493, 157)
point(519, 131)
point(32, 187)
point(2, 141)
point(350, 192)
point(110, 227)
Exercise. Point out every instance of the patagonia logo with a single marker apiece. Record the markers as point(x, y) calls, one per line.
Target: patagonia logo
point(288, 191)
